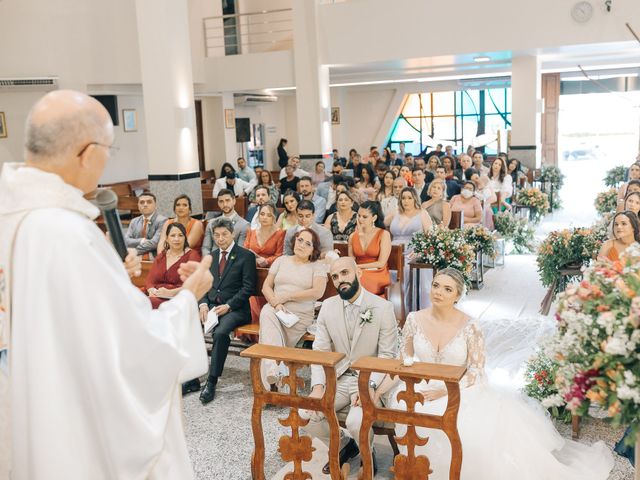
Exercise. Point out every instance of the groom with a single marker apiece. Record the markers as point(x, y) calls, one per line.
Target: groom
point(358, 324)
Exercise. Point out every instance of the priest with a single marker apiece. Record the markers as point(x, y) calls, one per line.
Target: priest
point(93, 374)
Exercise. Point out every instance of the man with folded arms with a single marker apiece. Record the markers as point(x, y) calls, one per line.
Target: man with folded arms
point(144, 231)
point(358, 324)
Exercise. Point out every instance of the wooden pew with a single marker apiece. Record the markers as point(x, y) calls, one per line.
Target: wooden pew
point(457, 220)
point(141, 184)
point(207, 190)
point(122, 189)
point(208, 177)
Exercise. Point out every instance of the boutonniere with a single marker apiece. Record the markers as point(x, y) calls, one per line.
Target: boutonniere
point(366, 316)
point(232, 257)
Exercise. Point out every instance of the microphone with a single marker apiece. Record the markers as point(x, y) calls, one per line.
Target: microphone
point(107, 202)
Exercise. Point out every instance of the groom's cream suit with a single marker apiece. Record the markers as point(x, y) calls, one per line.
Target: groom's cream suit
point(366, 328)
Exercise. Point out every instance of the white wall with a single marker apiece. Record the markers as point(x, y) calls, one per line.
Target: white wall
point(15, 107)
point(213, 133)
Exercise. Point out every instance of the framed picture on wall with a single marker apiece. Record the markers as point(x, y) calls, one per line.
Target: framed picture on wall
point(130, 120)
point(335, 115)
point(229, 118)
point(3, 125)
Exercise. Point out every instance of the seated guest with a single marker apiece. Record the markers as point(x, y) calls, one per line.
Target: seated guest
point(437, 207)
point(194, 227)
point(331, 194)
point(225, 169)
point(634, 175)
point(352, 163)
point(626, 232)
point(319, 175)
point(386, 197)
point(514, 168)
point(227, 205)
point(394, 159)
point(297, 171)
point(307, 192)
point(453, 187)
point(144, 231)
point(306, 219)
point(487, 197)
point(342, 223)
point(367, 184)
point(449, 166)
point(370, 245)
point(163, 281)
point(409, 161)
point(246, 173)
point(262, 197)
point(344, 187)
point(420, 163)
point(419, 184)
point(338, 168)
point(632, 202)
point(337, 158)
point(289, 181)
point(467, 203)
point(266, 241)
point(460, 173)
point(239, 187)
point(432, 163)
point(340, 329)
point(293, 285)
point(234, 281)
point(501, 182)
point(381, 169)
point(265, 180)
point(478, 163)
point(289, 218)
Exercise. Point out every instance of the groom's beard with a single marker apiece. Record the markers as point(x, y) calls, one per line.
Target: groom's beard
point(348, 293)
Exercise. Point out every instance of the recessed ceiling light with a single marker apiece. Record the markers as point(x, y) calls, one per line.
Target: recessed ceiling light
point(482, 58)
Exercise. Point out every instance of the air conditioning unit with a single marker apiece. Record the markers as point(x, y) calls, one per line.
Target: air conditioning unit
point(254, 99)
point(29, 84)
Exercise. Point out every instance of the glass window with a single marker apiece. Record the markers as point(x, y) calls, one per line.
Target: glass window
point(443, 103)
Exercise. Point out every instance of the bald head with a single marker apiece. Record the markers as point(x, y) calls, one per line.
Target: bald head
point(62, 122)
point(342, 263)
point(345, 274)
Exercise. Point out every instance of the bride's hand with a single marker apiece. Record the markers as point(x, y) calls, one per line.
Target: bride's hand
point(431, 395)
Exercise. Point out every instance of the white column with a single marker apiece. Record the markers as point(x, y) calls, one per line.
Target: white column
point(313, 97)
point(526, 110)
point(167, 84)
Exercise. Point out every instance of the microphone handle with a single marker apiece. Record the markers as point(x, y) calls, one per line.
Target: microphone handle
point(112, 219)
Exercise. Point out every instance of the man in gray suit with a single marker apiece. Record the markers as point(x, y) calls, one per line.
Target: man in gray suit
point(227, 205)
point(144, 231)
point(306, 213)
point(358, 324)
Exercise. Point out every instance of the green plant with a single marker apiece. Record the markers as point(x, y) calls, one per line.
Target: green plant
point(562, 248)
point(606, 201)
point(537, 200)
point(516, 229)
point(552, 175)
point(615, 176)
point(540, 378)
point(481, 239)
point(444, 248)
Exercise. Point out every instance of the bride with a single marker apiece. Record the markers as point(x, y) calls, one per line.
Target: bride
point(505, 435)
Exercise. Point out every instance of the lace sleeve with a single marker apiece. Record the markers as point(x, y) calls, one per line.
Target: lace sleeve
point(475, 356)
point(406, 337)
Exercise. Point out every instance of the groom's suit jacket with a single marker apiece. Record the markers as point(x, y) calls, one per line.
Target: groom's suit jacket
point(378, 338)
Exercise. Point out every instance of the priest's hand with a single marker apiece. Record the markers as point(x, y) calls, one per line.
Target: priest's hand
point(200, 280)
point(133, 263)
point(186, 269)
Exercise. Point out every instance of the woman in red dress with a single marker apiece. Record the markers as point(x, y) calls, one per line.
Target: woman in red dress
point(267, 241)
point(370, 245)
point(163, 281)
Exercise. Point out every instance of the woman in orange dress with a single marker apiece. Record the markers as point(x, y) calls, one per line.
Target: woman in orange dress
point(626, 232)
point(193, 226)
point(370, 245)
point(267, 241)
point(163, 281)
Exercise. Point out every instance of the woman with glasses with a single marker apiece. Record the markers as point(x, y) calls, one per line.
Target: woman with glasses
point(293, 285)
point(193, 226)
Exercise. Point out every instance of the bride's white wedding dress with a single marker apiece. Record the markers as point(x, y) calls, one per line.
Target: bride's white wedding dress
point(505, 435)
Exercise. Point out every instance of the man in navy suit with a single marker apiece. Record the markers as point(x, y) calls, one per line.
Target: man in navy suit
point(234, 281)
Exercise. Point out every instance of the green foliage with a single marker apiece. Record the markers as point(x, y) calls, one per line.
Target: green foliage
point(540, 377)
point(615, 176)
point(606, 202)
point(516, 229)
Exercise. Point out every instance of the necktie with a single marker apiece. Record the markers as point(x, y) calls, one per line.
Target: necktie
point(351, 311)
point(143, 234)
point(223, 263)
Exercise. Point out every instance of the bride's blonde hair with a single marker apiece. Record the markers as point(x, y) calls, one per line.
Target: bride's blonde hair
point(457, 278)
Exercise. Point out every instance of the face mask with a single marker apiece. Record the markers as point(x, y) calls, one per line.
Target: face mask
point(466, 193)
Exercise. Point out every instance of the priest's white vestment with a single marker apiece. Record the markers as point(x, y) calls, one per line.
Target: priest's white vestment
point(94, 372)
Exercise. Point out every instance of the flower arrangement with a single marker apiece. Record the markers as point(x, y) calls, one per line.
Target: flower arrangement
point(366, 316)
point(536, 199)
point(565, 247)
point(597, 345)
point(540, 377)
point(552, 175)
point(615, 176)
point(516, 229)
point(607, 201)
point(481, 239)
point(444, 248)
